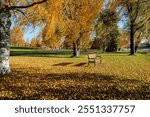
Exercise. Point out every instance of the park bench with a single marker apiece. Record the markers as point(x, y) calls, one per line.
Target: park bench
point(93, 58)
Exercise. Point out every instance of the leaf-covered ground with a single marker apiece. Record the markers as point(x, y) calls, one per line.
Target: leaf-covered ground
point(119, 77)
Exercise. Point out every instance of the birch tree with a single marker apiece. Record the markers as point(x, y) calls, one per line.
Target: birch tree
point(7, 7)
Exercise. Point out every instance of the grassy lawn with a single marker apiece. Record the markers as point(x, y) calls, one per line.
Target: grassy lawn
point(44, 74)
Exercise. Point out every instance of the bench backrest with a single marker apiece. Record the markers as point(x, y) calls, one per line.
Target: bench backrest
point(92, 55)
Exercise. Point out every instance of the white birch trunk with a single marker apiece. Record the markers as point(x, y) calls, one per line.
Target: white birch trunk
point(4, 41)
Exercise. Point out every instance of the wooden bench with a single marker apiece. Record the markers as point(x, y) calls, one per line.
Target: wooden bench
point(93, 58)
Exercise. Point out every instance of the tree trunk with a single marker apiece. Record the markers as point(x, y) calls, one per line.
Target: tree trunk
point(5, 23)
point(132, 49)
point(76, 49)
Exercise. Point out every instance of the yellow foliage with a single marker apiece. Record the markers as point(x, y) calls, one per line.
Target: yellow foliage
point(70, 18)
point(17, 36)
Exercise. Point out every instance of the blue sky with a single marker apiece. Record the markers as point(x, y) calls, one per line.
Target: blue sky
point(31, 33)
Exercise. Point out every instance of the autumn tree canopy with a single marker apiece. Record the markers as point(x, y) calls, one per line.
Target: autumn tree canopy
point(72, 19)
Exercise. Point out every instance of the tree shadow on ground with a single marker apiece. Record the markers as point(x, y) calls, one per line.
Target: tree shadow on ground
point(80, 64)
point(63, 64)
point(69, 63)
point(115, 55)
point(64, 86)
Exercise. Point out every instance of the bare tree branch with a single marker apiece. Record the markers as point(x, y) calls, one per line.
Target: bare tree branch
point(18, 10)
point(139, 28)
point(142, 24)
point(27, 6)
